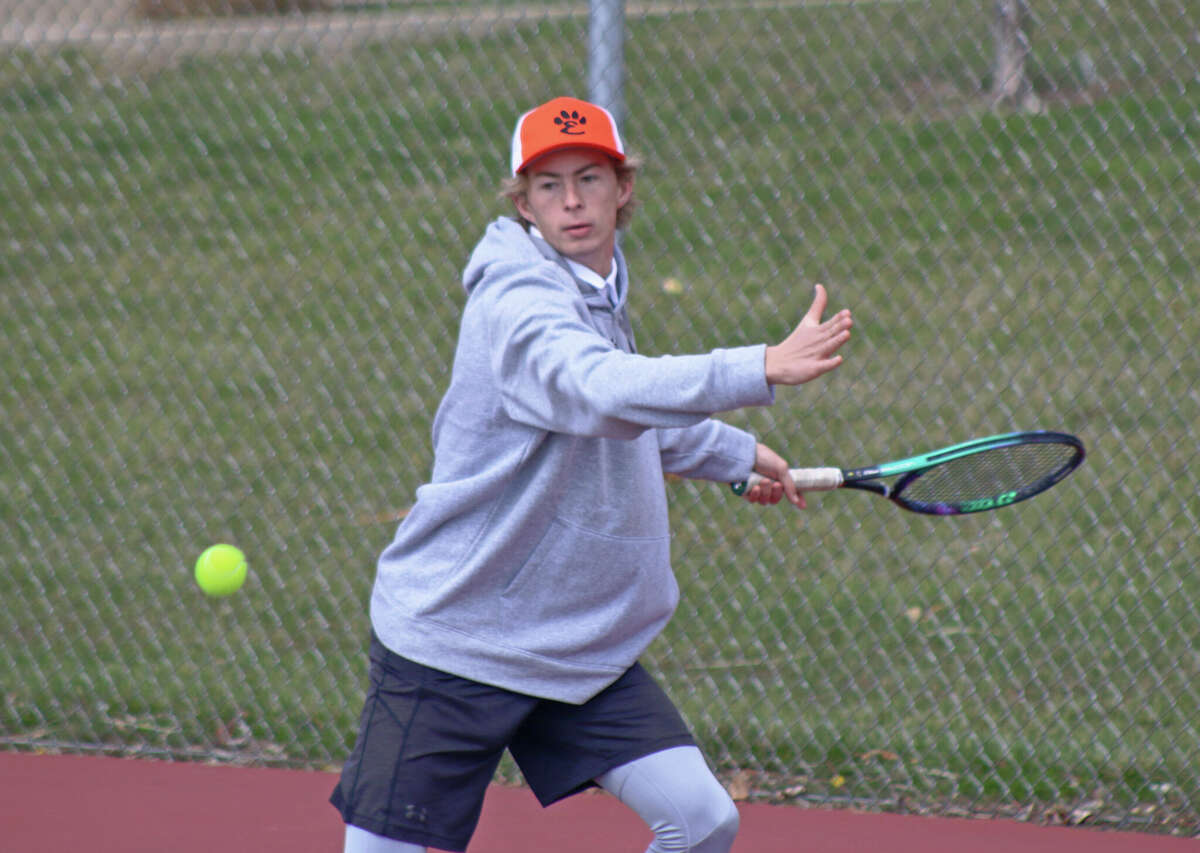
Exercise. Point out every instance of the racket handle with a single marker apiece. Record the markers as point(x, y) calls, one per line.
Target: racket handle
point(807, 480)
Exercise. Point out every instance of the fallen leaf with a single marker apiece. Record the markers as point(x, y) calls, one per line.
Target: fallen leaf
point(1083, 812)
point(739, 786)
point(381, 517)
point(881, 754)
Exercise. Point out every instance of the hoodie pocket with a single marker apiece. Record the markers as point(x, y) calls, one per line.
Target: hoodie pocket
point(583, 594)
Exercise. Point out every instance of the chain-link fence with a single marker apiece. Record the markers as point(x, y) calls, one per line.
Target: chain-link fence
point(230, 247)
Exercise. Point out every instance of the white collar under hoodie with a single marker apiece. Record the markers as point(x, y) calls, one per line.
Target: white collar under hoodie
point(537, 558)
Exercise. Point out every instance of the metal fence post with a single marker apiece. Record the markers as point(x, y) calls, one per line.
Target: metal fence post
point(606, 56)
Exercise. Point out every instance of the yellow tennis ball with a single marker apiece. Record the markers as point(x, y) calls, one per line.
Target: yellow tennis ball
point(221, 570)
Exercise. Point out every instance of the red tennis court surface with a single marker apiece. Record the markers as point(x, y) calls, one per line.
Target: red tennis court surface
point(61, 803)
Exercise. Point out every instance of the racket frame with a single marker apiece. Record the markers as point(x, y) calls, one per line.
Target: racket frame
point(869, 478)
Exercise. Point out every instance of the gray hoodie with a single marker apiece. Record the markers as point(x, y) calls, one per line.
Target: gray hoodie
point(538, 557)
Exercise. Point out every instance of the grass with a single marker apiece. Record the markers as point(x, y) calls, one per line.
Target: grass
point(230, 299)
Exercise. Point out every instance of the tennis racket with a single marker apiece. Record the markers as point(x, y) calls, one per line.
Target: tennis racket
point(986, 473)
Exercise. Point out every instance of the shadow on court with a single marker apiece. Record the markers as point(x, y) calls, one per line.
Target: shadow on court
point(57, 803)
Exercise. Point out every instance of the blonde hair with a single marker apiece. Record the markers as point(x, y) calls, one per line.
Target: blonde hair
point(516, 186)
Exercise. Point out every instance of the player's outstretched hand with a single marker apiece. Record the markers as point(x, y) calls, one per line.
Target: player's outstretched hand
point(779, 483)
point(811, 349)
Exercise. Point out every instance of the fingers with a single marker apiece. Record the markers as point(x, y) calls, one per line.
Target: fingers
point(810, 350)
point(823, 366)
point(795, 497)
point(834, 332)
point(820, 345)
point(772, 492)
point(766, 492)
point(789, 486)
point(837, 328)
point(815, 311)
point(820, 300)
point(832, 341)
point(820, 341)
point(841, 321)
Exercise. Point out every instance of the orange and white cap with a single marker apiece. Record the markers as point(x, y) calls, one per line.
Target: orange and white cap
point(564, 123)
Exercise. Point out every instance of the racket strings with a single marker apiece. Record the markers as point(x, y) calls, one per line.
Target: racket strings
point(992, 473)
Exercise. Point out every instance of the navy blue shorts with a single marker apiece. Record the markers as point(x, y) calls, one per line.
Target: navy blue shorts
point(429, 744)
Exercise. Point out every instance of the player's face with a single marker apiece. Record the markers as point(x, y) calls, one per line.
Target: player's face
point(573, 199)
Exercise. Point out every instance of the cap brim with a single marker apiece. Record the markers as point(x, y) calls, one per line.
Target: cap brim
point(603, 149)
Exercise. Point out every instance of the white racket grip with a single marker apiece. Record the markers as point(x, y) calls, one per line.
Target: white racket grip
point(806, 479)
point(817, 479)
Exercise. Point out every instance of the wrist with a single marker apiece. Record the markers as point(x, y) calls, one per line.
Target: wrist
point(769, 360)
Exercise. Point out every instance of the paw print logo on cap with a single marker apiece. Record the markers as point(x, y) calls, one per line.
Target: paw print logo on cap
point(571, 122)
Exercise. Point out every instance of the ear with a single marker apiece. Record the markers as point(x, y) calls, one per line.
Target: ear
point(521, 201)
point(624, 191)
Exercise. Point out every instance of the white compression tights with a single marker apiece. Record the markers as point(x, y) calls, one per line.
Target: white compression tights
point(678, 797)
point(673, 791)
point(361, 841)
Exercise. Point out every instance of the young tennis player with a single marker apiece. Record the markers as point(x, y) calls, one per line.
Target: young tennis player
point(534, 569)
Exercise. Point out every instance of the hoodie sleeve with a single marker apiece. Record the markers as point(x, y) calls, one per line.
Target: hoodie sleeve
point(556, 372)
point(710, 450)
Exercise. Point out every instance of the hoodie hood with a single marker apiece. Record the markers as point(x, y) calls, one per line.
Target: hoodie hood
point(507, 241)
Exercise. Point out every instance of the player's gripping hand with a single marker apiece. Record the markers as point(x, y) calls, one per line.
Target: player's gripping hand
point(779, 485)
point(811, 349)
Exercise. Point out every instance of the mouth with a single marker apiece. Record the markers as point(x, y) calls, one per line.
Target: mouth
point(580, 230)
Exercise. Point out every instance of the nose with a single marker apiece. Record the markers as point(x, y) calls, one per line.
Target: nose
point(572, 198)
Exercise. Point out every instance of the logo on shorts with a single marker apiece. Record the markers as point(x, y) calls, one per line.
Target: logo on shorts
point(415, 814)
point(571, 122)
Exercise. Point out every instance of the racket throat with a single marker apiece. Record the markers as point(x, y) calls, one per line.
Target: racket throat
point(869, 486)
